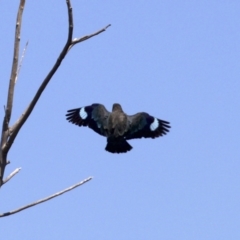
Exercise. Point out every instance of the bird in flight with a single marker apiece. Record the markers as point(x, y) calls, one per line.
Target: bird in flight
point(117, 126)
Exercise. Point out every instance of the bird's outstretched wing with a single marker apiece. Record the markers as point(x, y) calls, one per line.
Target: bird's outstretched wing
point(94, 116)
point(144, 125)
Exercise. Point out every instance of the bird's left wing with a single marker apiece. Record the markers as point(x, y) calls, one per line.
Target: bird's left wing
point(144, 125)
point(94, 116)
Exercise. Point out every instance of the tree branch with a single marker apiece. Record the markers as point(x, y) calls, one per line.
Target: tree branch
point(15, 61)
point(9, 133)
point(78, 40)
point(46, 199)
point(11, 175)
point(17, 126)
point(8, 110)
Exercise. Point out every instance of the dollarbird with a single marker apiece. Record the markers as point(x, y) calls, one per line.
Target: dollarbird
point(117, 126)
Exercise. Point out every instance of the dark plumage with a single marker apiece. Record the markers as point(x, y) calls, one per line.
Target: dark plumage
point(117, 126)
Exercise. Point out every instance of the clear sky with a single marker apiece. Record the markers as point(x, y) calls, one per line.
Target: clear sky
point(178, 61)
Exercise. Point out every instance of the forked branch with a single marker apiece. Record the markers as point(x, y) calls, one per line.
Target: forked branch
point(9, 133)
point(78, 40)
point(17, 126)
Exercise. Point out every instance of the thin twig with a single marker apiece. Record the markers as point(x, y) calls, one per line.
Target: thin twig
point(11, 175)
point(21, 60)
point(78, 40)
point(46, 199)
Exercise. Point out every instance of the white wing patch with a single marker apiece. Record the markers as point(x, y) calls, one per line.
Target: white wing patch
point(83, 114)
point(154, 125)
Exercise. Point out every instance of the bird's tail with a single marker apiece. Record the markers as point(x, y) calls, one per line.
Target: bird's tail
point(117, 145)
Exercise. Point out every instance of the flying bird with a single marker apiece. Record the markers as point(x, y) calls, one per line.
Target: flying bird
point(117, 126)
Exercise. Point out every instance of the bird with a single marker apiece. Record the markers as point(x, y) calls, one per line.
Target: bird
point(117, 126)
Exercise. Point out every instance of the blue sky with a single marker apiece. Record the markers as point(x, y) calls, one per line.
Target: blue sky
point(178, 61)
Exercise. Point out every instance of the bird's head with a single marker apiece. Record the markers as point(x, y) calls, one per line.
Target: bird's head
point(117, 107)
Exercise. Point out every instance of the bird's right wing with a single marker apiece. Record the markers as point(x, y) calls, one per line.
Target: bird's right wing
point(94, 116)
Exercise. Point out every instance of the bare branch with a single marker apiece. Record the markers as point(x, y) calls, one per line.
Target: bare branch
point(78, 40)
point(11, 175)
point(9, 134)
point(8, 111)
point(17, 126)
point(46, 199)
point(21, 60)
point(15, 60)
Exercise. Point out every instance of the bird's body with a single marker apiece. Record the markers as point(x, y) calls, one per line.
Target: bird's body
point(117, 126)
point(117, 122)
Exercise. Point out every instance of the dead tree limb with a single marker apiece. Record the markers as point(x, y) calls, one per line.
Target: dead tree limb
point(78, 40)
point(8, 109)
point(9, 133)
point(45, 199)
